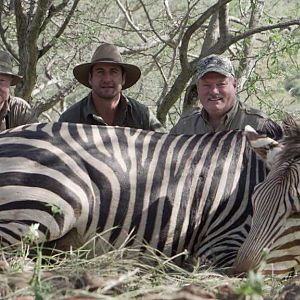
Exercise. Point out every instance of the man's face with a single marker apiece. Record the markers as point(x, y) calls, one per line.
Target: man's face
point(5, 81)
point(106, 80)
point(217, 93)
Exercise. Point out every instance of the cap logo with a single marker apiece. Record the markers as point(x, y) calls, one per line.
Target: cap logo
point(215, 63)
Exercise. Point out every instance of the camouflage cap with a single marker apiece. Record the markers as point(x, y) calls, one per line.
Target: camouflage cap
point(215, 63)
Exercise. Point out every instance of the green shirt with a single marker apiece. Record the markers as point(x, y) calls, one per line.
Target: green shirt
point(16, 112)
point(196, 122)
point(130, 113)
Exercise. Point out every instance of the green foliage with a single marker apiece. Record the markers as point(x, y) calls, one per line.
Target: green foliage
point(253, 286)
point(56, 210)
point(35, 281)
point(32, 235)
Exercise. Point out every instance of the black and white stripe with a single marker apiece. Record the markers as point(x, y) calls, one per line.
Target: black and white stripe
point(276, 207)
point(174, 192)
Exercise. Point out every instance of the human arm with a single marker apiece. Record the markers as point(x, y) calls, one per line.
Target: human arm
point(20, 113)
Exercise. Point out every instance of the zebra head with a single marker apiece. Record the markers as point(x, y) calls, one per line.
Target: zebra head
point(276, 209)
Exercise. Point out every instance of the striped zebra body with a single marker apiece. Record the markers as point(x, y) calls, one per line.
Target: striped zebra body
point(174, 192)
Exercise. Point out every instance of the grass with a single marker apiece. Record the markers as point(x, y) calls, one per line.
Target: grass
point(122, 273)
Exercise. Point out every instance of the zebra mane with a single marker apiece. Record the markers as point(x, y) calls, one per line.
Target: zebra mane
point(291, 145)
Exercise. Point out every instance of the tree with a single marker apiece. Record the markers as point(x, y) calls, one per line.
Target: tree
point(165, 38)
point(29, 30)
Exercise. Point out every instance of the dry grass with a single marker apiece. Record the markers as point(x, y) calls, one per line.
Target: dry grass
point(122, 273)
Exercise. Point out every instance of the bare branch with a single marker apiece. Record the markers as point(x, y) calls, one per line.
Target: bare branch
point(247, 63)
point(219, 47)
point(60, 31)
point(53, 11)
point(21, 23)
point(38, 18)
point(165, 41)
point(212, 33)
point(168, 11)
point(3, 31)
point(176, 89)
point(195, 26)
point(50, 102)
point(129, 20)
point(224, 23)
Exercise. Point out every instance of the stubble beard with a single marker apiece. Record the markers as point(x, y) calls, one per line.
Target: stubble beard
point(106, 96)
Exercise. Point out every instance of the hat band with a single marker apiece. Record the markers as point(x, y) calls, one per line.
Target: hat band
point(106, 59)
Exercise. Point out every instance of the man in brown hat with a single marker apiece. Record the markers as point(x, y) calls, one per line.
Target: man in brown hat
point(14, 111)
point(106, 75)
point(221, 110)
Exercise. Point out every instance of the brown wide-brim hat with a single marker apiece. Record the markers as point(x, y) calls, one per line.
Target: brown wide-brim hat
point(6, 67)
point(107, 53)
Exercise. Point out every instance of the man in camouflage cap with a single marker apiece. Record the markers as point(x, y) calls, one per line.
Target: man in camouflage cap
point(221, 110)
point(14, 111)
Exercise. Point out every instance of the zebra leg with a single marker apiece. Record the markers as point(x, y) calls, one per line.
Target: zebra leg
point(24, 214)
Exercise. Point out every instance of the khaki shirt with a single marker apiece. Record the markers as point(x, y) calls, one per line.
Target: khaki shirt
point(15, 113)
point(130, 113)
point(196, 122)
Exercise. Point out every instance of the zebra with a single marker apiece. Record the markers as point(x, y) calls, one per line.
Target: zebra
point(275, 224)
point(173, 192)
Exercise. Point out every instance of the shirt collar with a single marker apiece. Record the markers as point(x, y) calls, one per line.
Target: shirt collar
point(90, 107)
point(122, 109)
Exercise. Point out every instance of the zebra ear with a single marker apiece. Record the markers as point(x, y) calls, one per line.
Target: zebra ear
point(265, 147)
